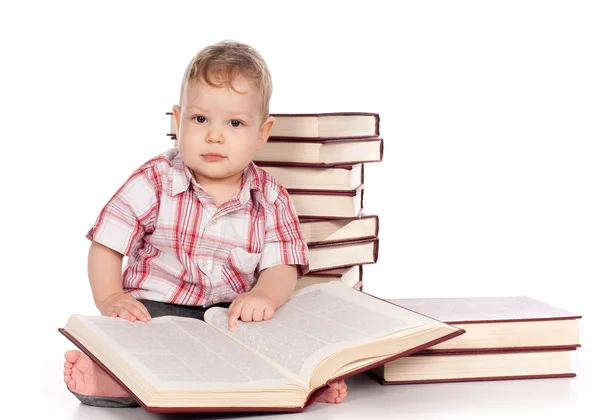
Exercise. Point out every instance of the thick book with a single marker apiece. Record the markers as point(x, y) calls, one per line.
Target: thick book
point(343, 254)
point(340, 178)
point(469, 366)
point(318, 126)
point(320, 153)
point(326, 125)
point(332, 204)
point(323, 231)
point(323, 333)
point(506, 322)
point(349, 276)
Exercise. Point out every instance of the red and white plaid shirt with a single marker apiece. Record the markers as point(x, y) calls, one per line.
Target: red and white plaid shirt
point(182, 249)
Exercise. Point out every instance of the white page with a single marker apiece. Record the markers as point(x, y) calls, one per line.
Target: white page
point(175, 352)
point(318, 320)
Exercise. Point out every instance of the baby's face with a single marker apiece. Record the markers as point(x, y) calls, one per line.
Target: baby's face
point(220, 129)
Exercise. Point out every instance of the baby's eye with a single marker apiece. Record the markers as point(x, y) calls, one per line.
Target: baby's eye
point(200, 119)
point(236, 123)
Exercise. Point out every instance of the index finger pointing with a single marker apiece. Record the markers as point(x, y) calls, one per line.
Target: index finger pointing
point(234, 314)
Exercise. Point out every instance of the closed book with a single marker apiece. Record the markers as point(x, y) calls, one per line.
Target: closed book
point(349, 276)
point(318, 126)
point(322, 231)
point(505, 322)
point(342, 254)
point(320, 204)
point(320, 153)
point(340, 178)
point(326, 125)
point(424, 367)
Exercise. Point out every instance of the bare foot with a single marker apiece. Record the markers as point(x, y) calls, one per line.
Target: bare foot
point(335, 394)
point(84, 377)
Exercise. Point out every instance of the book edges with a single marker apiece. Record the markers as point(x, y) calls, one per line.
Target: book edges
point(350, 242)
point(317, 244)
point(350, 193)
point(473, 379)
point(362, 215)
point(344, 139)
point(335, 272)
point(496, 350)
point(374, 241)
point(323, 114)
point(497, 321)
point(367, 368)
point(314, 165)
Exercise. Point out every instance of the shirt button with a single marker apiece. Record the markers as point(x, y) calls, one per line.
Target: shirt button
point(213, 221)
point(215, 301)
point(203, 261)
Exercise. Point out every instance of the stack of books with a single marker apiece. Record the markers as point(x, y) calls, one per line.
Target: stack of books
point(513, 337)
point(319, 159)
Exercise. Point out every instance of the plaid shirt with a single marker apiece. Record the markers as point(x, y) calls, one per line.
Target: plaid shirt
point(182, 249)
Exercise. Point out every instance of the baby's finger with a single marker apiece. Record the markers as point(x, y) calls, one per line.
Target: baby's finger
point(125, 314)
point(139, 311)
point(258, 314)
point(246, 314)
point(269, 312)
point(234, 313)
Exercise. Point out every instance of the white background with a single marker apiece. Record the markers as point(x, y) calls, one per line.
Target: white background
point(489, 184)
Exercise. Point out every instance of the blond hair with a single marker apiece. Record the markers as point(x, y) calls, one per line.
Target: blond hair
point(219, 64)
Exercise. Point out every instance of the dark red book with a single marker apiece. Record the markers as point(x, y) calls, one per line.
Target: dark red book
point(350, 276)
point(475, 365)
point(332, 204)
point(174, 364)
point(501, 322)
point(326, 231)
point(325, 125)
point(335, 178)
point(321, 152)
point(329, 255)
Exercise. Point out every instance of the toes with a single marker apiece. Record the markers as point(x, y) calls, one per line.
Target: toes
point(70, 384)
point(73, 356)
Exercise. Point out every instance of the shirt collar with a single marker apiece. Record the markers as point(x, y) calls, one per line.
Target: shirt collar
point(182, 178)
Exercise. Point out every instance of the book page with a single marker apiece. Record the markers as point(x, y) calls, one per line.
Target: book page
point(175, 352)
point(318, 321)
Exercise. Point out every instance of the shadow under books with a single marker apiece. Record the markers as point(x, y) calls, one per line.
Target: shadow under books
point(364, 393)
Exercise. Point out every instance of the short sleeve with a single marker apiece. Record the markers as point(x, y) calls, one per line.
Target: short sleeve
point(130, 213)
point(283, 238)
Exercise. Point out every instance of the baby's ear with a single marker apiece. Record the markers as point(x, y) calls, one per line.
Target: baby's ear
point(265, 131)
point(177, 115)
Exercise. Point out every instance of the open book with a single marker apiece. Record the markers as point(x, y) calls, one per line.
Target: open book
point(323, 333)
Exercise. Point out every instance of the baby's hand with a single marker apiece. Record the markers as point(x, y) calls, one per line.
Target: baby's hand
point(122, 305)
point(250, 306)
